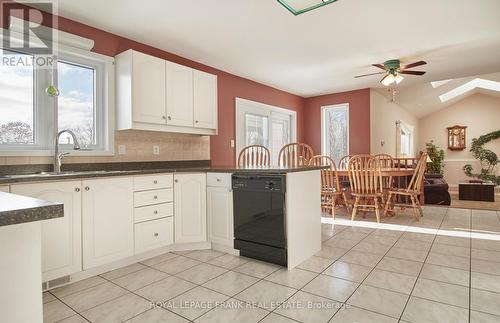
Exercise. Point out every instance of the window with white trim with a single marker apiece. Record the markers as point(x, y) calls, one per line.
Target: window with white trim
point(335, 131)
point(406, 139)
point(30, 118)
point(266, 125)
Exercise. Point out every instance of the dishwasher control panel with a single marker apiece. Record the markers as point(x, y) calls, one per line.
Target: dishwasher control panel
point(258, 182)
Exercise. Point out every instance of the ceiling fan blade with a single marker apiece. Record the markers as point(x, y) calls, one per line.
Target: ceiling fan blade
point(419, 63)
point(379, 66)
point(369, 74)
point(412, 72)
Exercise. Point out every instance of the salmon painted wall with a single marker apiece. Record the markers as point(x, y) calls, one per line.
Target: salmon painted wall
point(359, 119)
point(229, 86)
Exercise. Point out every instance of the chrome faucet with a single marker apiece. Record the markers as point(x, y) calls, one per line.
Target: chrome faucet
point(58, 157)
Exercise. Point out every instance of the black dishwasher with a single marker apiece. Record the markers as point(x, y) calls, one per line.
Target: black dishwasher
point(259, 216)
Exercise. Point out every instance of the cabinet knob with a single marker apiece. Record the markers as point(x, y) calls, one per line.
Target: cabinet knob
point(218, 179)
point(156, 234)
point(176, 180)
point(196, 121)
point(169, 118)
point(155, 197)
point(164, 117)
point(155, 212)
point(87, 188)
point(77, 189)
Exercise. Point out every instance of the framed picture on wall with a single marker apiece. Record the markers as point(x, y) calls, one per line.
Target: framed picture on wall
point(456, 137)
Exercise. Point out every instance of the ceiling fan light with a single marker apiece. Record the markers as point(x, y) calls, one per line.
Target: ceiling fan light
point(388, 80)
point(398, 78)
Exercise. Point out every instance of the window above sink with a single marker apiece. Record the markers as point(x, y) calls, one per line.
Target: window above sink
point(32, 112)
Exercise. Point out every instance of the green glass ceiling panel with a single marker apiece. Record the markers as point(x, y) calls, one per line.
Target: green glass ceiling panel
point(300, 6)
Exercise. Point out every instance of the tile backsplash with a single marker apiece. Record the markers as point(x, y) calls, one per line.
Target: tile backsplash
point(139, 147)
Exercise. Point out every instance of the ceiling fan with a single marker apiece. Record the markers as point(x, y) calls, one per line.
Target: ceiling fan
point(393, 70)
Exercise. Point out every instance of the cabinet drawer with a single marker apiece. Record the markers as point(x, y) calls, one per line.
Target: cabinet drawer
point(154, 234)
point(219, 179)
point(153, 197)
point(152, 182)
point(146, 213)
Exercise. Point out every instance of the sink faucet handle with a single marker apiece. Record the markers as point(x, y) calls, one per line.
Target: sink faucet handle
point(62, 154)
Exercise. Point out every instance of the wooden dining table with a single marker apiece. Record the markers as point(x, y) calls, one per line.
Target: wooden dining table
point(389, 172)
point(386, 172)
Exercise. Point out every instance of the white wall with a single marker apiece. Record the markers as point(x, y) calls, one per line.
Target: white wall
point(383, 117)
point(480, 113)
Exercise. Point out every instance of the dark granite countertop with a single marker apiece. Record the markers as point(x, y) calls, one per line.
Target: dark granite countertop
point(77, 171)
point(15, 209)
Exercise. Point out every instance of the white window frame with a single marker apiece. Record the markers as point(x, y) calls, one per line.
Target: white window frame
point(410, 131)
point(244, 106)
point(77, 52)
point(324, 109)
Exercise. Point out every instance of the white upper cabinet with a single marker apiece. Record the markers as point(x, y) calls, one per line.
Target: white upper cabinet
point(158, 95)
point(61, 237)
point(205, 100)
point(108, 220)
point(179, 95)
point(190, 204)
point(148, 94)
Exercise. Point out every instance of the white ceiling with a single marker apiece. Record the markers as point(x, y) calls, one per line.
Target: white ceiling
point(315, 53)
point(423, 99)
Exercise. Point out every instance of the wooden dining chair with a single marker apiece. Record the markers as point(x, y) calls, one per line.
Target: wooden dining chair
point(413, 190)
point(331, 189)
point(344, 161)
point(366, 184)
point(254, 156)
point(295, 155)
point(321, 160)
point(386, 162)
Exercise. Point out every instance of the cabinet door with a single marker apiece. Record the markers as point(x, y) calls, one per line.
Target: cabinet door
point(4, 188)
point(190, 204)
point(179, 95)
point(108, 222)
point(148, 89)
point(205, 100)
point(220, 215)
point(61, 237)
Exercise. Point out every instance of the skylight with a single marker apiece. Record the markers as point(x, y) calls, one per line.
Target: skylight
point(469, 86)
point(436, 84)
point(300, 6)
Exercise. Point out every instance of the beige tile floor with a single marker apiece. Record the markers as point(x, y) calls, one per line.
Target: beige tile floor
point(443, 268)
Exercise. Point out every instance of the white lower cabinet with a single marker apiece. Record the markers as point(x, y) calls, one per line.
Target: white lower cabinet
point(190, 204)
point(4, 188)
point(61, 237)
point(220, 216)
point(154, 234)
point(108, 220)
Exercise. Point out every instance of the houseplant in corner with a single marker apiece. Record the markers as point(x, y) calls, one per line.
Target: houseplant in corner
point(436, 154)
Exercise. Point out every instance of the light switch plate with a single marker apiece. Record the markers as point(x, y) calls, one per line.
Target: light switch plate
point(232, 143)
point(122, 150)
point(156, 150)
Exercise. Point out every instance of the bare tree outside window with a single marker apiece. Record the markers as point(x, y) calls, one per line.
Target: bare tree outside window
point(76, 109)
point(335, 136)
point(16, 101)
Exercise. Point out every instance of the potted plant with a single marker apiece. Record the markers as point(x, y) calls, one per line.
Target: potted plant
point(489, 160)
point(436, 155)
